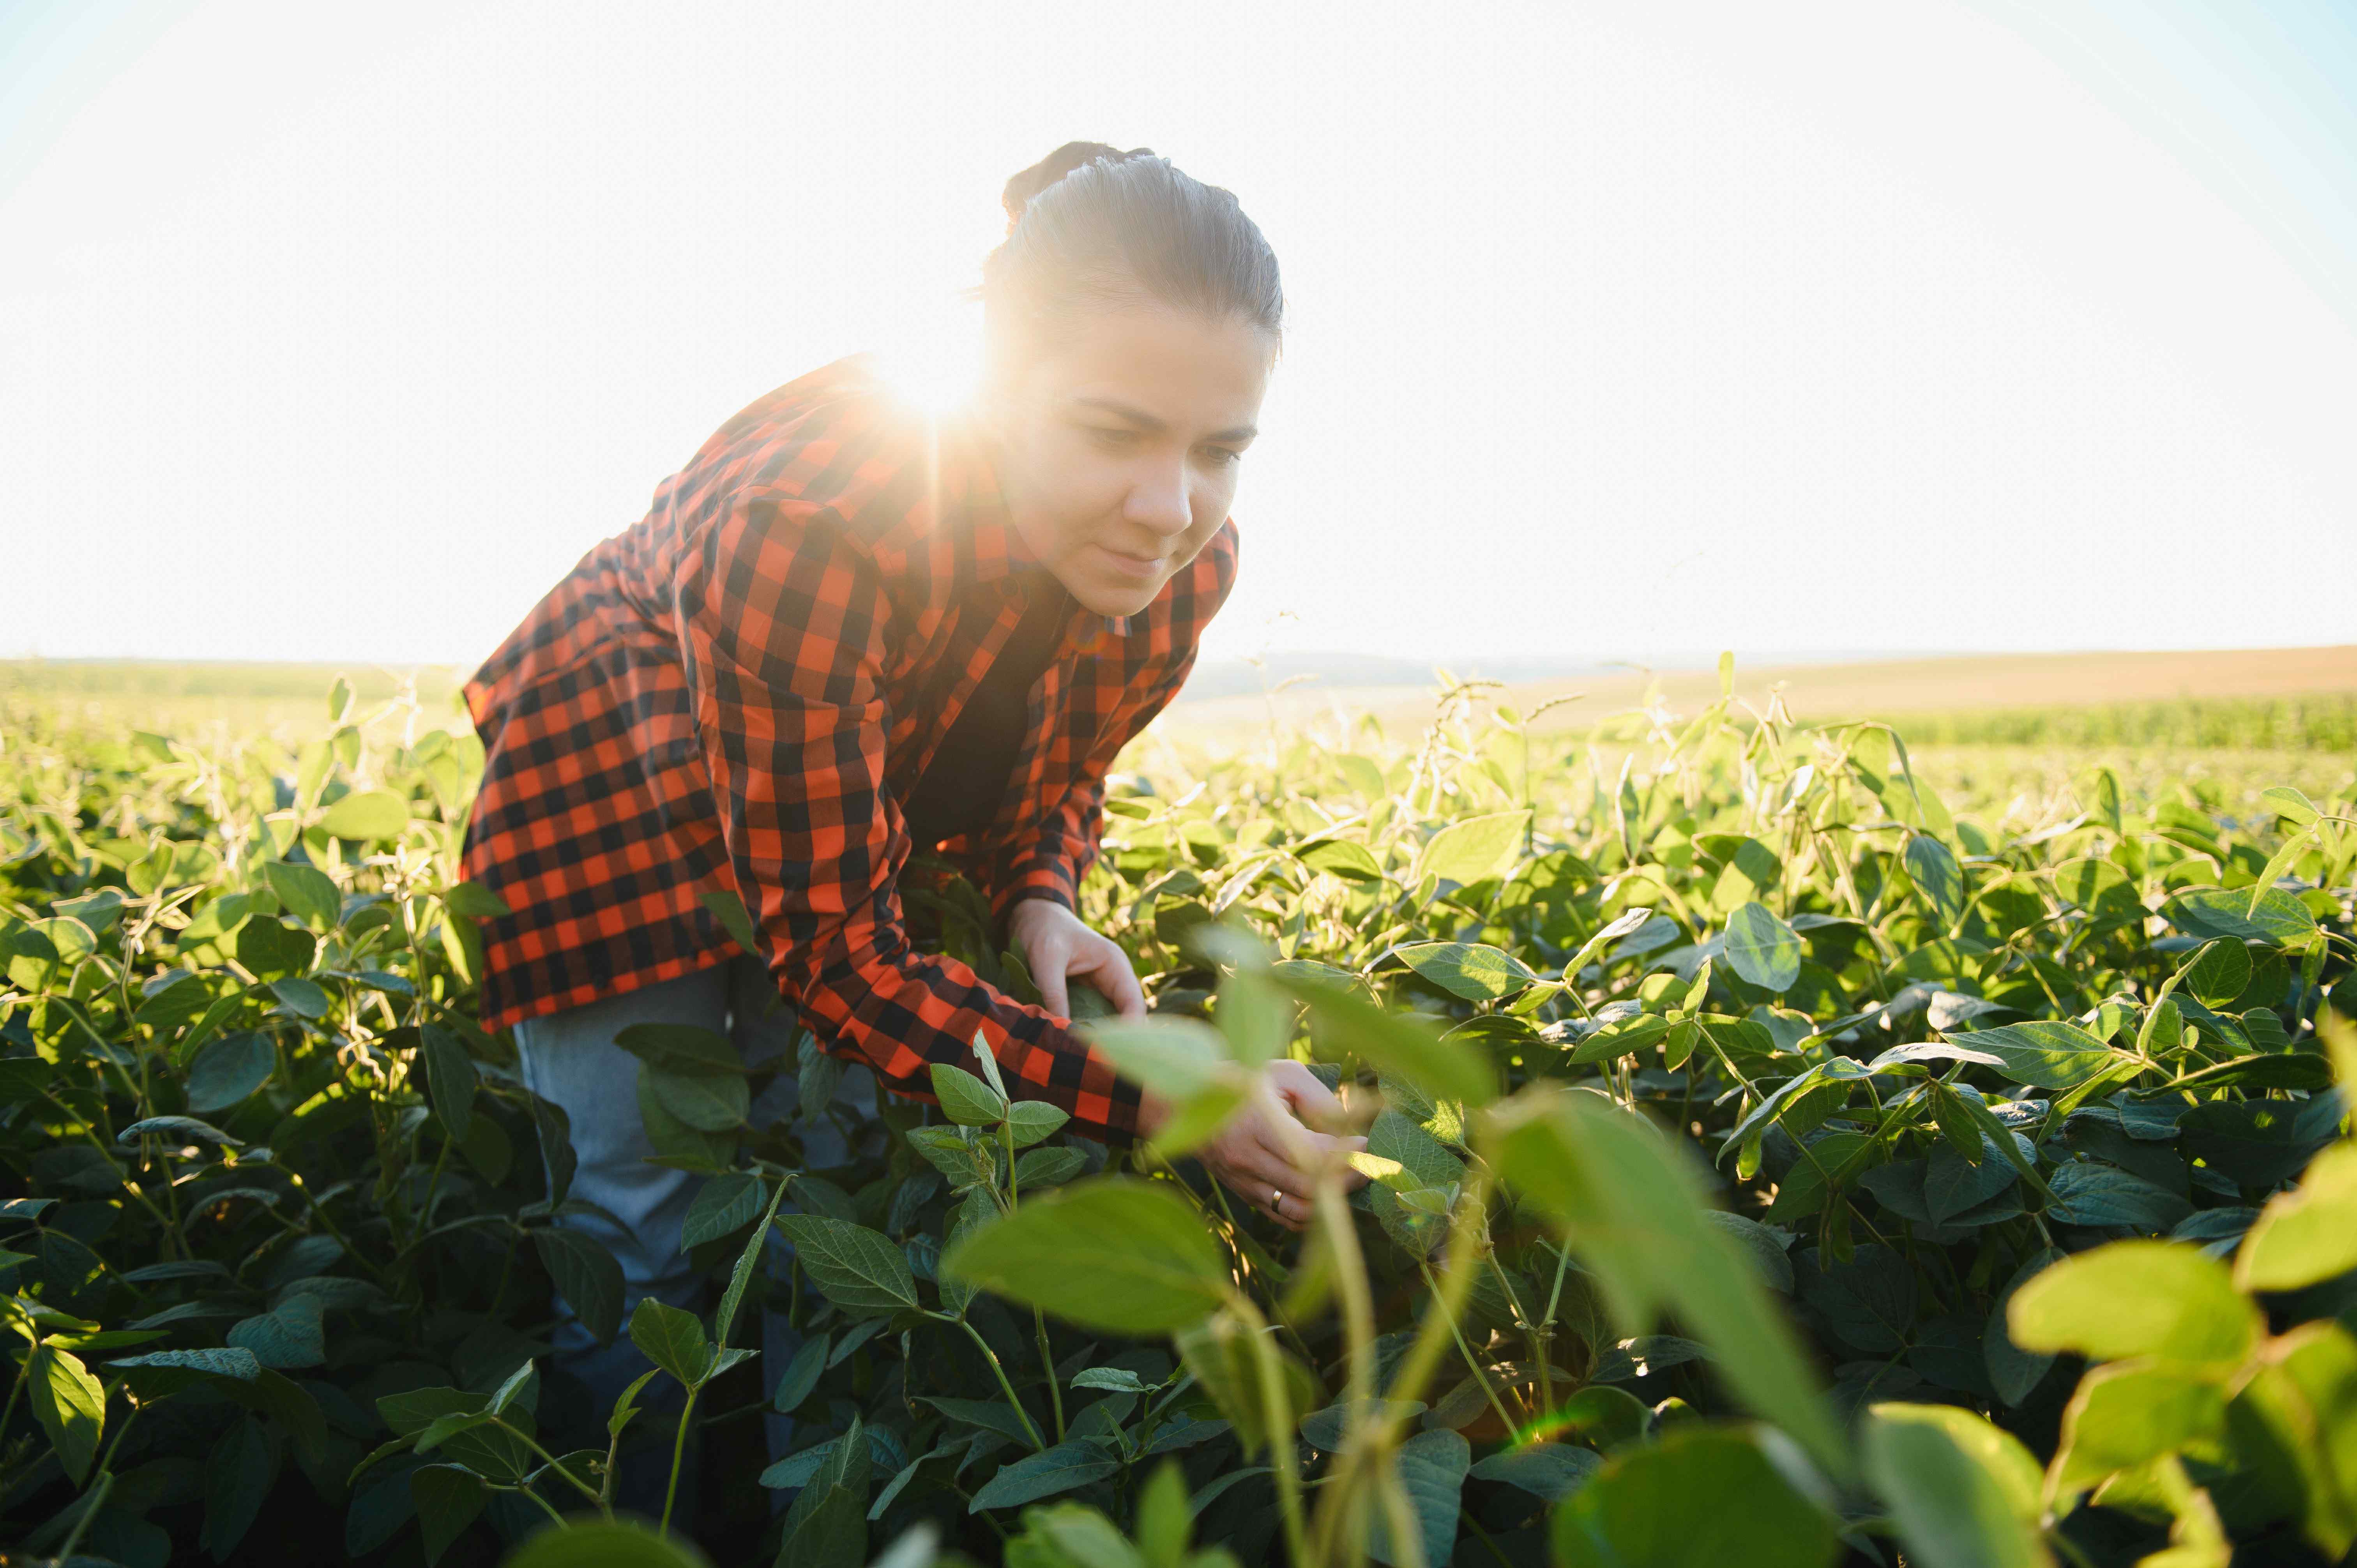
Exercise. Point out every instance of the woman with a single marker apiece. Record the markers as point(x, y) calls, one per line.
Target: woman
point(846, 632)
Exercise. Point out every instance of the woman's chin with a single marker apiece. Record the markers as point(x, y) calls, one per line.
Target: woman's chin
point(1113, 598)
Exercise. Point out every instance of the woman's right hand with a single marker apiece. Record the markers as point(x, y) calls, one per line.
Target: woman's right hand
point(1270, 1153)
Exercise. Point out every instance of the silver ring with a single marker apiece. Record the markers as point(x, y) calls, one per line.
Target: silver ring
point(1277, 1199)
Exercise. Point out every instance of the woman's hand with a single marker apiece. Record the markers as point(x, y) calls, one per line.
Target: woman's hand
point(1269, 1154)
point(1057, 946)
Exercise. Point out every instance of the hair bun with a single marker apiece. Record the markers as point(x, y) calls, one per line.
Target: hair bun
point(1020, 189)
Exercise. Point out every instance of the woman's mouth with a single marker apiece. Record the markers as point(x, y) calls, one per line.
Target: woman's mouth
point(1121, 564)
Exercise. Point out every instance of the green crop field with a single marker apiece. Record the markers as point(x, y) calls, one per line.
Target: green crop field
point(1787, 1146)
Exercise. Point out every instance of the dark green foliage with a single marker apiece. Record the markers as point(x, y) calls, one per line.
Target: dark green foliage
point(1861, 1095)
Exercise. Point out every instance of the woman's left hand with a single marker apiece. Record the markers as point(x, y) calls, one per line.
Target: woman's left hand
point(1058, 947)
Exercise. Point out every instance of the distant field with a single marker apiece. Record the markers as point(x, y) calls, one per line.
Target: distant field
point(2263, 699)
point(2287, 701)
point(205, 700)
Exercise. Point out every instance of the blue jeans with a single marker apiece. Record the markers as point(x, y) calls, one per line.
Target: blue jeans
point(570, 1059)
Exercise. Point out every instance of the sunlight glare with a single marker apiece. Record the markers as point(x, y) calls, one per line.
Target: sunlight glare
point(934, 357)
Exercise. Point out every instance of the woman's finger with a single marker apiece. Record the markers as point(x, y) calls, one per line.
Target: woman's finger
point(1109, 967)
point(1249, 1170)
point(1306, 1094)
point(1306, 1155)
point(1050, 959)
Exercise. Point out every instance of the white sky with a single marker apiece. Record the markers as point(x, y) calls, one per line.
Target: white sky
point(341, 333)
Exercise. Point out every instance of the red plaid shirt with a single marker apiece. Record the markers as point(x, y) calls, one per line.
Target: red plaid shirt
point(737, 691)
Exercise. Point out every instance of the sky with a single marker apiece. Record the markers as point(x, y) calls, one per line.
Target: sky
point(341, 333)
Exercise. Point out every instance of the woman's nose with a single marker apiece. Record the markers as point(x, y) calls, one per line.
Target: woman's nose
point(1158, 500)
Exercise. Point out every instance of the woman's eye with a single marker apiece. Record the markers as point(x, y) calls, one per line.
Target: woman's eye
point(1222, 456)
point(1105, 437)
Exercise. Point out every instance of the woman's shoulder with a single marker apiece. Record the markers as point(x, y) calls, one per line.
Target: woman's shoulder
point(839, 438)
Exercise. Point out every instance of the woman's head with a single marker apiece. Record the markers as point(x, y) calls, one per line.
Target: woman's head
point(1131, 320)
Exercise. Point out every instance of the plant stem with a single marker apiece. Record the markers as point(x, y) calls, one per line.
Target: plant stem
point(1465, 1351)
point(535, 1497)
point(425, 1209)
point(550, 1460)
point(678, 1453)
point(1276, 1407)
point(1006, 1386)
point(1048, 1368)
point(1533, 1334)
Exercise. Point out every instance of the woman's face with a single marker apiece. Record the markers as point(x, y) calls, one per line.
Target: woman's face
point(1119, 451)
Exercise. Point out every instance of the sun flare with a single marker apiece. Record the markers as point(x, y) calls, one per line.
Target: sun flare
point(936, 366)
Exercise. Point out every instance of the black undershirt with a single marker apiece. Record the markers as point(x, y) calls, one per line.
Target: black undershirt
point(967, 779)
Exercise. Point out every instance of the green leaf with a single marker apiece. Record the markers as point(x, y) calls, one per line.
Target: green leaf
point(179, 1130)
point(1344, 858)
point(1631, 1204)
point(2305, 1236)
point(1032, 1119)
point(2273, 916)
point(670, 1338)
point(729, 910)
point(676, 1143)
point(521, 1388)
point(586, 1274)
point(2044, 1053)
point(69, 1404)
point(228, 1070)
point(1762, 949)
point(1059, 1469)
point(802, 1374)
point(2303, 1402)
point(827, 1526)
point(1220, 1354)
point(1049, 1167)
point(1933, 869)
point(409, 1413)
point(1475, 849)
point(367, 814)
point(307, 892)
point(2219, 972)
point(593, 1544)
point(1151, 1265)
point(1964, 1494)
point(2015, 1371)
point(1176, 1058)
point(991, 1415)
point(1469, 969)
point(709, 1103)
point(2130, 1412)
point(1551, 1472)
point(475, 901)
point(626, 1407)
point(857, 1269)
point(741, 1274)
point(304, 998)
point(2088, 1193)
point(450, 1076)
point(725, 1203)
point(1343, 1023)
point(966, 1098)
point(237, 1478)
point(681, 1048)
point(1431, 1467)
point(288, 1336)
point(448, 1499)
point(160, 1373)
point(1704, 1497)
point(2166, 1299)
